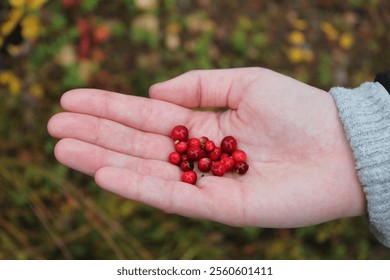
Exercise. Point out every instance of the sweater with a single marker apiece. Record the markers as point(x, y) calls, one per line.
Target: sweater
point(365, 115)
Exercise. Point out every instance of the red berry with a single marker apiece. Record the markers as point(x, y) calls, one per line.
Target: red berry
point(181, 147)
point(229, 144)
point(179, 132)
point(194, 153)
point(174, 158)
point(204, 154)
point(218, 168)
point(228, 162)
point(239, 155)
point(189, 177)
point(203, 141)
point(241, 167)
point(186, 165)
point(184, 157)
point(204, 164)
point(209, 146)
point(194, 142)
point(224, 155)
point(215, 155)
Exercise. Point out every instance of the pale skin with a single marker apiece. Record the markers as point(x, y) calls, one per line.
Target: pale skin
point(302, 170)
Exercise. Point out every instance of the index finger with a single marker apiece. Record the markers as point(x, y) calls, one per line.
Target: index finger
point(138, 112)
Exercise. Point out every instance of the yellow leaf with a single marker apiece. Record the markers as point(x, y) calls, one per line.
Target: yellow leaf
point(4, 77)
point(31, 27)
point(7, 28)
point(330, 31)
point(13, 18)
point(35, 4)
point(17, 3)
point(346, 41)
point(7, 78)
point(296, 38)
point(295, 55)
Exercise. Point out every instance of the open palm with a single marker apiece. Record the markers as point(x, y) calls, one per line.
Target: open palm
point(301, 166)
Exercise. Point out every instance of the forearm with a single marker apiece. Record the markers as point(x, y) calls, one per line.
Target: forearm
point(365, 114)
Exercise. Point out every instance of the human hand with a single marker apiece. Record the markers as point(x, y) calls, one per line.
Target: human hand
point(302, 170)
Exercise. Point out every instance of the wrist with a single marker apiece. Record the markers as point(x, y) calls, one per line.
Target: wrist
point(365, 114)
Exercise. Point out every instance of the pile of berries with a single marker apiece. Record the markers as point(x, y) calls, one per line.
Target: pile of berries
point(207, 155)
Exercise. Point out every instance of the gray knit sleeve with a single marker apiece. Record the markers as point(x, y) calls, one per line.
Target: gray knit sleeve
point(365, 114)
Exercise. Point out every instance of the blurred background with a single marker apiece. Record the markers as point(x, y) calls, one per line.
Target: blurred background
point(47, 47)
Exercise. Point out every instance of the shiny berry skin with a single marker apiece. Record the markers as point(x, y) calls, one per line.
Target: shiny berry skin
point(239, 155)
point(181, 147)
point(228, 162)
point(203, 141)
point(215, 155)
point(218, 168)
point(224, 155)
point(229, 144)
point(241, 167)
point(194, 153)
point(186, 165)
point(179, 132)
point(204, 164)
point(209, 146)
point(189, 177)
point(174, 158)
point(204, 154)
point(194, 142)
point(184, 157)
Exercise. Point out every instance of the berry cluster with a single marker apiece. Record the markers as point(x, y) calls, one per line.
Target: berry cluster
point(209, 157)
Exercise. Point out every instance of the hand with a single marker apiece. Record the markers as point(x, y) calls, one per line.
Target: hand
point(301, 170)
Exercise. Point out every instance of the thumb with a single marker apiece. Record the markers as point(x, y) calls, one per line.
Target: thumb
point(202, 88)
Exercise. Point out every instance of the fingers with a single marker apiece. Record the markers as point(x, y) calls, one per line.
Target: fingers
point(205, 88)
point(88, 158)
point(210, 200)
point(141, 113)
point(110, 135)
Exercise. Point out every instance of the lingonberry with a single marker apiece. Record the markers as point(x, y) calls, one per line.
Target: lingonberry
point(223, 155)
point(209, 146)
point(204, 154)
point(208, 156)
point(218, 168)
point(181, 147)
point(189, 177)
point(228, 162)
point(186, 165)
point(204, 164)
point(174, 158)
point(184, 157)
point(239, 155)
point(203, 141)
point(229, 144)
point(179, 132)
point(194, 142)
point(215, 155)
point(241, 167)
point(194, 153)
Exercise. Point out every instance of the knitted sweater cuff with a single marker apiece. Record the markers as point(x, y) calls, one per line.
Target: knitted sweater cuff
point(365, 114)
